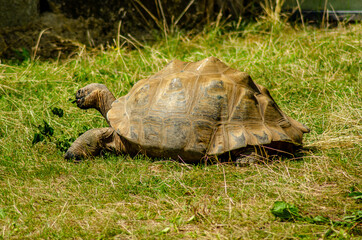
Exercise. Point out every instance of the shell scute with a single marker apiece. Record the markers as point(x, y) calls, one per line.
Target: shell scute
point(210, 65)
point(172, 96)
point(200, 136)
point(211, 102)
point(242, 79)
point(177, 131)
point(152, 131)
point(246, 109)
point(237, 138)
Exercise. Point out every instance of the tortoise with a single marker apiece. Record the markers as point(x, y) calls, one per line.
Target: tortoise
point(188, 111)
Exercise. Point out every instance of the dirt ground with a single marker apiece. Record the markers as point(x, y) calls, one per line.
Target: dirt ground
point(53, 35)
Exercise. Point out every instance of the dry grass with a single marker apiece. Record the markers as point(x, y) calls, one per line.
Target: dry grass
point(315, 77)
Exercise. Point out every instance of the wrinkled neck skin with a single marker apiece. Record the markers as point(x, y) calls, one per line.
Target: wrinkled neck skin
point(105, 100)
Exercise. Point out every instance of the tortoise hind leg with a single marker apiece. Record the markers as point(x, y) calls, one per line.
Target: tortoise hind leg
point(93, 142)
point(250, 155)
point(245, 160)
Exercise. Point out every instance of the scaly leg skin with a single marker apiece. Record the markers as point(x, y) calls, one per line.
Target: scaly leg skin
point(92, 142)
point(247, 160)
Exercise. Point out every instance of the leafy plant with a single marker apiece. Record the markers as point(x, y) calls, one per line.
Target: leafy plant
point(45, 130)
point(288, 212)
point(2, 213)
point(356, 217)
point(58, 111)
point(38, 137)
point(356, 195)
point(285, 211)
point(64, 142)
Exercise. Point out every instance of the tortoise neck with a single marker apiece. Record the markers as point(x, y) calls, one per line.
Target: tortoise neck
point(104, 103)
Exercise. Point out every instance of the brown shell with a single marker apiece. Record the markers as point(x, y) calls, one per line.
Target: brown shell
point(193, 109)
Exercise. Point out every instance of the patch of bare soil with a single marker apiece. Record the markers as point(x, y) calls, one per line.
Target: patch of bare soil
point(52, 36)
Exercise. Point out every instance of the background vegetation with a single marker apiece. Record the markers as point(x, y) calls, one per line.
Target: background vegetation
point(314, 74)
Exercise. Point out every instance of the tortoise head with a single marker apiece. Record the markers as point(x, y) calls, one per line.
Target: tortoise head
point(96, 96)
point(89, 96)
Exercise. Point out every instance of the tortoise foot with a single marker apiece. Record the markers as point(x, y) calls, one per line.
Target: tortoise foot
point(247, 160)
point(71, 156)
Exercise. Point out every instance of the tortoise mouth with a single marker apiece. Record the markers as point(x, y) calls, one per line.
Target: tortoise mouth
point(79, 101)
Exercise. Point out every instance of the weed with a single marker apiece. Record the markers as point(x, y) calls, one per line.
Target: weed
point(58, 111)
point(285, 211)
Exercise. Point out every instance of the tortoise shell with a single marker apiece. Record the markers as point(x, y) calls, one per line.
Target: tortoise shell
point(192, 109)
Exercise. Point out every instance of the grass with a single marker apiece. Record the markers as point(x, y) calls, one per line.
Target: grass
point(313, 74)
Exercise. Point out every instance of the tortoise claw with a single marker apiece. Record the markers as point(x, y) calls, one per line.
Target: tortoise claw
point(70, 156)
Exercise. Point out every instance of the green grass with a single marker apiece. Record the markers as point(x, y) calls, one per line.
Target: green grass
point(313, 74)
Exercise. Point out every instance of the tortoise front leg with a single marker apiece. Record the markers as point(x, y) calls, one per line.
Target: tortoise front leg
point(93, 142)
